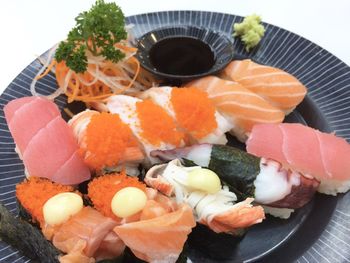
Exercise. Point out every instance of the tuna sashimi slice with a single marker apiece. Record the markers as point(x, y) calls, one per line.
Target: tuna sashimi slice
point(46, 143)
point(301, 146)
point(161, 238)
point(335, 153)
point(11, 107)
point(29, 119)
point(266, 139)
point(49, 149)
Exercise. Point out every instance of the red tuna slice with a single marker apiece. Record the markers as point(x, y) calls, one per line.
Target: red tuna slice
point(73, 171)
point(302, 149)
point(29, 119)
point(335, 153)
point(11, 107)
point(265, 141)
point(88, 226)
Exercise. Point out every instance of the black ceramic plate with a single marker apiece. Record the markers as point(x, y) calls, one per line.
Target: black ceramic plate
point(319, 232)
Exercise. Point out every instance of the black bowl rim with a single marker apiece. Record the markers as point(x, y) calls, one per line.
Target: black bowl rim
point(184, 77)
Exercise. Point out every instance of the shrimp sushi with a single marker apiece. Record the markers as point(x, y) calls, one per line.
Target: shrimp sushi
point(193, 112)
point(280, 88)
point(212, 204)
point(150, 123)
point(240, 106)
point(321, 155)
point(44, 141)
point(106, 142)
point(263, 179)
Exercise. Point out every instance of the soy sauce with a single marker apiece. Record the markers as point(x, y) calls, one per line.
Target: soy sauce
point(182, 56)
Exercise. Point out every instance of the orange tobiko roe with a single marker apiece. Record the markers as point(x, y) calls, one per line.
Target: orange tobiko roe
point(107, 138)
point(194, 111)
point(157, 125)
point(102, 189)
point(34, 192)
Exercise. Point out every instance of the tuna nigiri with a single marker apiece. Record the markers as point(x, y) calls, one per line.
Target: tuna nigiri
point(106, 142)
point(321, 155)
point(240, 106)
point(250, 176)
point(280, 88)
point(193, 112)
point(211, 204)
point(44, 140)
point(150, 123)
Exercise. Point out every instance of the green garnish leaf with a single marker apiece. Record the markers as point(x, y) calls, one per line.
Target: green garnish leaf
point(96, 31)
point(250, 31)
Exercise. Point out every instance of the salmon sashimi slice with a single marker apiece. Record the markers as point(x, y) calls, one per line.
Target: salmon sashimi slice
point(309, 151)
point(280, 88)
point(217, 211)
point(242, 107)
point(88, 234)
point(45, 141)
point(160, 239)
point(240, 215)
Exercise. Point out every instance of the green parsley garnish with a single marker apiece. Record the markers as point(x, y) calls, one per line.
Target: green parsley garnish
point(97, 31)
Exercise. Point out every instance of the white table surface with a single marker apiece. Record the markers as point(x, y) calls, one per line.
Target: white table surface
point(29, 28)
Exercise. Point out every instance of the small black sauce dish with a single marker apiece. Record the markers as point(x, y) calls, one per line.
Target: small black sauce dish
point(177, 55)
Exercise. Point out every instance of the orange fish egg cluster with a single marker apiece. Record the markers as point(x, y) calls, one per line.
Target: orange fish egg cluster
point(107, 139)
point(157, 125)
point(194, 111)
point(102, 190)
point(34, 192)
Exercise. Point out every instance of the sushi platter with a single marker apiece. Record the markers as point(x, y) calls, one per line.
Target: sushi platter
point(110, 152)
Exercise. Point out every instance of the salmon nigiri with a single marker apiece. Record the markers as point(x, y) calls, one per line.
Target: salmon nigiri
point(321, 155)
point(150, 123)
point(240, 106)
point(44, 140)
point(106, 142)
point(280, 88)
point(193, 112)
point(212, 204)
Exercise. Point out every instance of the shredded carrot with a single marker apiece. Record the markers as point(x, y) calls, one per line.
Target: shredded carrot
point(48, 69)
point(34, 192)
point(157, 125)
point(107, 139)
point(102, 189)
point(194, 111)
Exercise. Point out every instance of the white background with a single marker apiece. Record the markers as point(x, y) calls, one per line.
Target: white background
point(30, 27)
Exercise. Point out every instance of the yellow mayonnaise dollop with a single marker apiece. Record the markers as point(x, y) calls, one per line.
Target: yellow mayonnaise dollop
point(128, 201)
point(204, 180)
point(61, 207)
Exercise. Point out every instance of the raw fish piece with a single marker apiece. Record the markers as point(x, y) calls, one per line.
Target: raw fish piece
point(280, 88)
point(160, 239)
point(240, 106)
point(45, 141)
point(321, 155)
